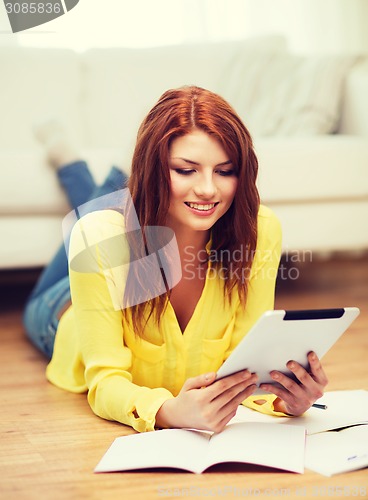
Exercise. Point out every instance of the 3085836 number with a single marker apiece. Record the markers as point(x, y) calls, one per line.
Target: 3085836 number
point(33, 8)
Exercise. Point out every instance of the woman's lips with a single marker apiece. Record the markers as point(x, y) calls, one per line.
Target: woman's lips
point(203, 209)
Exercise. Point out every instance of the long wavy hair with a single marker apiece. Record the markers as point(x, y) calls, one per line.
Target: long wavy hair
point(177, 113)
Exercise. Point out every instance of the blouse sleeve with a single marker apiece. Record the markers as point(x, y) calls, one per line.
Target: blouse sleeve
point(261, 292)
point(97, 246)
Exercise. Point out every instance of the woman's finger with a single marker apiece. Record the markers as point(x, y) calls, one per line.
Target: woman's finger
point(239, 398)
point(199, 381)
point(307, 382)
point(277, 391)
point(286, 389)
point(316, 369)
point(237, 392)
point(225, 384)
point(289, 384)
point(228, 411)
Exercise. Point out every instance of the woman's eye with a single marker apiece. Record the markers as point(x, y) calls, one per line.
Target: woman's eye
point(183, 171)
point(226, 173)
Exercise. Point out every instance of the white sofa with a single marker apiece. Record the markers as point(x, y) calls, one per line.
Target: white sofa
point(308, 117)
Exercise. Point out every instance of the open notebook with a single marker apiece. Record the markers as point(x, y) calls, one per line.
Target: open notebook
point(196, 451)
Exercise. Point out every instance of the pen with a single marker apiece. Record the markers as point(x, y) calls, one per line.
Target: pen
point(355, 457)
point(321, 407)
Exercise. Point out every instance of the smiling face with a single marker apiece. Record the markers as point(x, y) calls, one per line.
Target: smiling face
point(203, 182)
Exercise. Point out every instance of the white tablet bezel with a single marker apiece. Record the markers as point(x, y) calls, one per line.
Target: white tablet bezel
point(280, 336)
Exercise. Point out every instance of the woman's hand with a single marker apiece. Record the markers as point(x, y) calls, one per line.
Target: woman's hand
point(204, 403)
point(293, 398)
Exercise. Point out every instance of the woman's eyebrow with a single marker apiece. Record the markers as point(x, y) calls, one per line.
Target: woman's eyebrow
point(227, 162)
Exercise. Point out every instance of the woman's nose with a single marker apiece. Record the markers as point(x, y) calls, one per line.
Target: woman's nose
point(205, 187)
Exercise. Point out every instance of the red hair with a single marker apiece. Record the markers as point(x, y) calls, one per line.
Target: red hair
point(177, 113)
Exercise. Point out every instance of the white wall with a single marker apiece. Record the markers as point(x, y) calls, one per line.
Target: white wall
point(326, 26)
point(7, 38)
point(329, 26)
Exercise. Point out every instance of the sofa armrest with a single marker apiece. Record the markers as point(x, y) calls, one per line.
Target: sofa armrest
point(354, 112)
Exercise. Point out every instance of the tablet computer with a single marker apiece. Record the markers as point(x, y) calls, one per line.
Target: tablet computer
point(280, 336)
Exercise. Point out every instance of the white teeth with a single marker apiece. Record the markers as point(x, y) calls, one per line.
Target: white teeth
point(201, 207)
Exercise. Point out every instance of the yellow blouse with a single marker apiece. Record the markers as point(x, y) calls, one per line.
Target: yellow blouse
point(128, 378)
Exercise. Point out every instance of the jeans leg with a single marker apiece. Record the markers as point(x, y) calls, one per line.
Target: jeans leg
point(80, 186)
point(115, 180)
point(77, 182)
point(40, 315)
point(56, 270)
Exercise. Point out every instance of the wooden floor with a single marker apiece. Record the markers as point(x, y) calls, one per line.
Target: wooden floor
point(50, 441)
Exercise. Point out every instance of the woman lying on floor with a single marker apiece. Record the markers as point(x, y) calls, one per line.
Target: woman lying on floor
point(145, 342)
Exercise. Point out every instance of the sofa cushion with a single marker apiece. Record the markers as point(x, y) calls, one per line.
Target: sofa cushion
point(31, 186)
point(328, 168)
point(287, 94)
point(320, 227)
point(29, 241)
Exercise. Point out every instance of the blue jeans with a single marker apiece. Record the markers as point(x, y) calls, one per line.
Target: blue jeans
point(52, 290)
